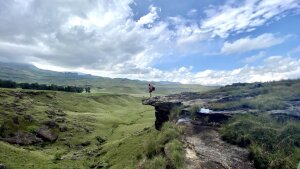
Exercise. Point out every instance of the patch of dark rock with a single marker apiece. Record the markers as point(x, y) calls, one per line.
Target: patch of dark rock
point(15, 120)
point(2, 166)
point(84, 144)
point(47, 134)
point(51, 124)
point(100, 139)
point(28, 118)
point(23, 138)
point(63, 128)
point(86, 130)
point(213, 117)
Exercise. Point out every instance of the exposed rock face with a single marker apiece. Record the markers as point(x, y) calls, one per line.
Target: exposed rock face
point(162, 109)
point(47, 134)
point(23, 138)
point(163, 106)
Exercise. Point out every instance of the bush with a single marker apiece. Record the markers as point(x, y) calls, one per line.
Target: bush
point(32, 129)
point(151, 147)
point(272, 144)
point(158, 162)
point(175, 112)
point(164, 143)
point(57, 156)
point(175, 153)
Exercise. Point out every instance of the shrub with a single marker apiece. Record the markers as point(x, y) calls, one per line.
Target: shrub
point(32, 129)
point(57, 156)
point(157, 162)
point(272, 144)
point(175, 112)
point(175, 153)
point(151, 147)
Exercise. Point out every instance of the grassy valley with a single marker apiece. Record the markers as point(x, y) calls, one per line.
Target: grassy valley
point(102, 129)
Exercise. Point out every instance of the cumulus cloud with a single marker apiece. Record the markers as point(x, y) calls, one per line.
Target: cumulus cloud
point(103, 38)
point(150, 17)
point(232, 18)
point(248, 44)
point(273, 68)
point(79, 34)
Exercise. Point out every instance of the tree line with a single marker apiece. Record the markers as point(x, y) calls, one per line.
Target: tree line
point(36, 86)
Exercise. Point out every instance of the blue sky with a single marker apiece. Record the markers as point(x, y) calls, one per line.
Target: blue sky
point(209, 42)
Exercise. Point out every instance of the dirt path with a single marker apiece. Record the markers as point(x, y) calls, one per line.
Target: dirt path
point(206, 150)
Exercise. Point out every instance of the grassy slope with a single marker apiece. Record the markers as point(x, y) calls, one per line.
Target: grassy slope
point(120, 118)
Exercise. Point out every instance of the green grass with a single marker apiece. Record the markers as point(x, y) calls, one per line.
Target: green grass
point(270, 96)
point(120, 118)
point(273, 143)
point(164, 148)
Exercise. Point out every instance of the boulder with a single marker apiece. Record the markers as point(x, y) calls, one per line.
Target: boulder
point(23, 138)
point(47, 134)
point(100, 139)
point(2, 166)
point(84, 144)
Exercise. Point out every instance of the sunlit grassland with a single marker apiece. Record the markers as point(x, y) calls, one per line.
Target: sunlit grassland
point(119, 118)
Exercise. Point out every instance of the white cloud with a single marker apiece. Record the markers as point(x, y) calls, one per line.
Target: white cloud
point(273, 68)
point(103, 38)
point(254, 58)
point(249, 44)
point(192, 12)
point(231, 18)
point(150, 17)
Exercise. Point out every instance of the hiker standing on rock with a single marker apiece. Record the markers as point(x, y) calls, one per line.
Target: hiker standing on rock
point(151, 89)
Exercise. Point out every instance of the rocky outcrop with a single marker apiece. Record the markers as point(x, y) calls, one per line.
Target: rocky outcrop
point(162, 109)
point(23, 138)
point(47, 134)
point(164, 105)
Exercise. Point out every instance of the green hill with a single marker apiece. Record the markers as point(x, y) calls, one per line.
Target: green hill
point(31, 74)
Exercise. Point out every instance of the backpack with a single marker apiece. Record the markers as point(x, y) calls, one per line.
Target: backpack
point(153, 88)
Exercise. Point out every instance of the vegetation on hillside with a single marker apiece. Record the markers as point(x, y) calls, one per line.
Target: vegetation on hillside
point(100, 130)
point(21, 73)
point(273, 142)
point(259, 96)
point(36, 86)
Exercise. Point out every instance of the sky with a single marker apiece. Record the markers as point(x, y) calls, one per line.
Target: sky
point(208, 42)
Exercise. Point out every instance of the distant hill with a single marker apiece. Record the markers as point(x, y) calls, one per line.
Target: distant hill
point(31, 74)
